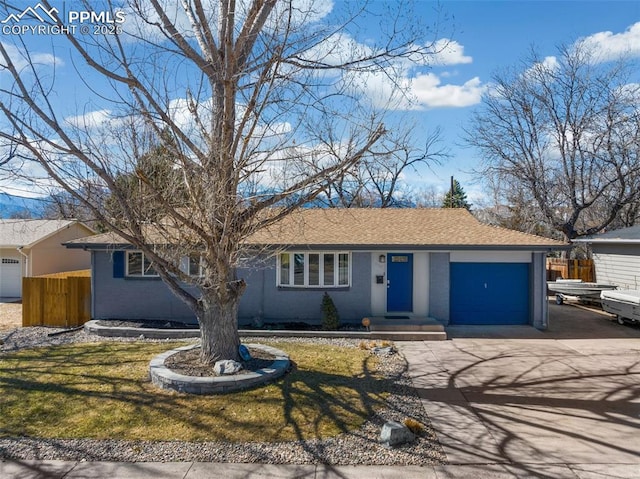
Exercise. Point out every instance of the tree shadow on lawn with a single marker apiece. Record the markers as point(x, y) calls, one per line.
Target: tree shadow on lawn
point(60, 392)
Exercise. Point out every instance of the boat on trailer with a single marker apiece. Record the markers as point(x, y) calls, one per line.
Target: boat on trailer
point(576, 288)
point(625, 304)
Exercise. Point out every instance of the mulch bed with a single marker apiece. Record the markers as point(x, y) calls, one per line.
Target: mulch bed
point(147, 324)
point(163, 324)
point(188, 363)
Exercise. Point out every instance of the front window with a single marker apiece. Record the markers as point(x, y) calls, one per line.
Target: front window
point(329, 269)
point(285, 269)
point(195, 265)
point(320, 270)
point(314, 269)
point(343, 269)
point(139, 265)
point(298, 269)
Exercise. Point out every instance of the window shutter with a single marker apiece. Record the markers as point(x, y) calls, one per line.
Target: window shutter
point(118, 264)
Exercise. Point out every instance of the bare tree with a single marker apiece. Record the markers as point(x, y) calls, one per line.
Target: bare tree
point(514, 209)
point(380, 180)
point(233, 92)
point(427, 197)
point(561, 135)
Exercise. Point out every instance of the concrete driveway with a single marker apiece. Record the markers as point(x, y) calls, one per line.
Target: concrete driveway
point(515, 397)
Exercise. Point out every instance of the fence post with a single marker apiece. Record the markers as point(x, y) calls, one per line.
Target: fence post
point(32, 302)
point(78, 301)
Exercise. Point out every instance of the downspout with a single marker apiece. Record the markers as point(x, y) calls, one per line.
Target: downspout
point(27, 265)
point(545, 300)
point(93, 283)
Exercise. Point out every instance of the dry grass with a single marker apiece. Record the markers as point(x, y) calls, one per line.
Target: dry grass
point(102, 391)
point(10, 316)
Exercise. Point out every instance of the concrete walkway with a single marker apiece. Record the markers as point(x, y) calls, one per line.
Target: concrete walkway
point(561, 403)
point(505, 402)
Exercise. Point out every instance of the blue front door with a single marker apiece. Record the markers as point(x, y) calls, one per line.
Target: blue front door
point(399, 282)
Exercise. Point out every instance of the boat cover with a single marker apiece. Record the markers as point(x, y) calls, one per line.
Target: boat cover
point(625, 295)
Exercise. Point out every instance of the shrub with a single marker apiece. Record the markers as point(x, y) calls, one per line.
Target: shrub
point(330, 317)
point(414, 426)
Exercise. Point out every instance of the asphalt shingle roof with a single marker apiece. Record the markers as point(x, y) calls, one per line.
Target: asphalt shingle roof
point(391, 226)
point(15, 233)
point(631, 235)
point(353, 227)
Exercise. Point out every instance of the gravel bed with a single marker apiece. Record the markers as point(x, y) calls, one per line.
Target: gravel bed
point(359, 447)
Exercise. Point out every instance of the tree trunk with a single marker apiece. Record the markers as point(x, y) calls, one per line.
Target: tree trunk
point(219, 330)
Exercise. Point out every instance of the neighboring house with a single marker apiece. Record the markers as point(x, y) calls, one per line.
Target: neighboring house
point(616, 255)
point(416, 263)
point(34, 247)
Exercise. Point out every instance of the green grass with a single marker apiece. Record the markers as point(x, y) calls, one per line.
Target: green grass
point(102, 390)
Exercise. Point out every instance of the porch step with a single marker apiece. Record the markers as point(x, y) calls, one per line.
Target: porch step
point(410, 335)
point(405, 325)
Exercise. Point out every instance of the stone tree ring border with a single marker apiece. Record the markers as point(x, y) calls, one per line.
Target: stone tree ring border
point(164, 378)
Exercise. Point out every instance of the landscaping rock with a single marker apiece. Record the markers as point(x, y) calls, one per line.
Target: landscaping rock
point(383, 351)
point(227, 366)
point(244, 353)
point(394, 434)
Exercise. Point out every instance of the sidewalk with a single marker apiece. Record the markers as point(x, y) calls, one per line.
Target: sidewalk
point(196, 470)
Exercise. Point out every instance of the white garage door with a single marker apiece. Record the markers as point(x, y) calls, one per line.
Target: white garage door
point(10, 278)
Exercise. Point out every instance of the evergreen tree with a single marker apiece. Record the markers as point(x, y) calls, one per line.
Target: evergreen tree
point(330, 316)
point(458, 199)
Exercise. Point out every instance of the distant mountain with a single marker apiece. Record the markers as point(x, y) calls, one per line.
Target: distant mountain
point(17, 205)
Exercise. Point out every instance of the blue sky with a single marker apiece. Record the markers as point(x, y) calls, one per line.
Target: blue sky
point(498, 34)
point(483, 36)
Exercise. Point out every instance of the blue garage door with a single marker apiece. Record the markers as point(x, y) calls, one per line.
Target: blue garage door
point(489, 293)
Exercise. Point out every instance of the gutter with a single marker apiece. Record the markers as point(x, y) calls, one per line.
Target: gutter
point(26, 261)
point(607, 241)
point(415, 247)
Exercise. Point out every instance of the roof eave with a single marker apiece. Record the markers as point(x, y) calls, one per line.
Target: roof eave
point(355, 247)
point(367, 247)
point(97, 246)
point(605, 241)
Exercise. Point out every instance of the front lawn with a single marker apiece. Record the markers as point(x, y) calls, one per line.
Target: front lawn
point(102, 390)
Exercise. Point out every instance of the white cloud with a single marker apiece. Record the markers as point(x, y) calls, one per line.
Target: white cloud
point(608, 46)
point(542, 69)
point(23, 176)
point(629, 92)
point(21, 59)
point(33, 188)
point(550, 63)
point(295, 14)
point(338, 49)
point(448, 52)
point(431, 93)
point(423, 91)
point(91, 120)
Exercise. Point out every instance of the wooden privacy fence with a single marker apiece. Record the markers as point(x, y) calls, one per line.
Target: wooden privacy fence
point(570, 269)
point(56, 300)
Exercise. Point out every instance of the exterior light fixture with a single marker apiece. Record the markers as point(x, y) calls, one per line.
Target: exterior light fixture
point(382, 258)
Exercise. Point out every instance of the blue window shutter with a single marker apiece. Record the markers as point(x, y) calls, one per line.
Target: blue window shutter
point(118, 264)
